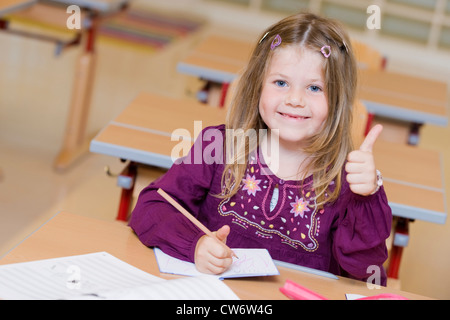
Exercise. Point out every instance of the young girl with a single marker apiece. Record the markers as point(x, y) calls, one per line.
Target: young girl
point(316, 202)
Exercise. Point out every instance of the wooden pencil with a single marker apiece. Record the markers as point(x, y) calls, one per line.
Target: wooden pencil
point(191, 218)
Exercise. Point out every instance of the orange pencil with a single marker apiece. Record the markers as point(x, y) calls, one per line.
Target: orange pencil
point(191, 218)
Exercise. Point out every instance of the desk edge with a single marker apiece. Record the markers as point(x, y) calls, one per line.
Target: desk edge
point(404, 211)
point(17, 7)
point(206, 73)
point(404, 114)
point(140, 156)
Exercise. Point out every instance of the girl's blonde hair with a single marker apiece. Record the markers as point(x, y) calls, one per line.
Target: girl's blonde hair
point(329, 148)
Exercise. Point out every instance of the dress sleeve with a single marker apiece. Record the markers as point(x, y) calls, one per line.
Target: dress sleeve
point(363, 226)
point(157, 223)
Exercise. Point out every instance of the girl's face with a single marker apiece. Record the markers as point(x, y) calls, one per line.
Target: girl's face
point(293, 96)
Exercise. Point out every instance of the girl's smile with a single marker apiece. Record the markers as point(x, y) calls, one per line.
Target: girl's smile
point(293, 117)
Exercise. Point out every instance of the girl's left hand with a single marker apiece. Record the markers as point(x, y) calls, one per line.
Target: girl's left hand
point(360, 166)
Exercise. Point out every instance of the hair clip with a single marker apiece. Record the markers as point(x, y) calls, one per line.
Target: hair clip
point(263, 37)
point(276, 42)
point(326, 51)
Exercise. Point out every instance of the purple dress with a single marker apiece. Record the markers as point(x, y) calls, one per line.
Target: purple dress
point(344, 238)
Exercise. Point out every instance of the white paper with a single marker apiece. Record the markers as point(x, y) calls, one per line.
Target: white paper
point(251, 263)
point(188, 288)
point(69, 277)
point(99, 276)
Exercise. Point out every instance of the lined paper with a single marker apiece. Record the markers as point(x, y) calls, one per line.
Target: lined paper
point(97, 276)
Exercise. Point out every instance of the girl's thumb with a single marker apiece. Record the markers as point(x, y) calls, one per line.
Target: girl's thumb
point(223, 233)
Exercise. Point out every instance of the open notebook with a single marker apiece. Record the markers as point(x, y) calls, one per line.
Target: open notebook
point(251, 263)
point(100, 276)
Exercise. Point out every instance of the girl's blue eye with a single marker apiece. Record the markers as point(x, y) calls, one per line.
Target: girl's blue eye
point(281, 83)
point(315, 88)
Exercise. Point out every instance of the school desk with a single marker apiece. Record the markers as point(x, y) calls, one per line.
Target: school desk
point(74, 140)
point(403, 97)
point(220, 59)
point(142, 135)
point(9, 6)
point(413, 179)
point(217, 59)
point(66, 234)
point(102, 6)
point(406, 181)
point(54, 12)
point(398, 96)
point(418, 170)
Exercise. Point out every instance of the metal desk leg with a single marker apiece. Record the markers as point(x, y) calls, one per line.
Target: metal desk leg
point(126, 181)
point(413, 138)
point(203, 94)
point(370, 117)
point(401, 239)
point(223, 94)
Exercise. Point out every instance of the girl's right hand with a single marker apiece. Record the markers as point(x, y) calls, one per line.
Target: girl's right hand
point(212, 257)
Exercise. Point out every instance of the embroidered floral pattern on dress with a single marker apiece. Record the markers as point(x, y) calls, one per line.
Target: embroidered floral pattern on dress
point(251, 185)
point(275, 209)
point(299, 206)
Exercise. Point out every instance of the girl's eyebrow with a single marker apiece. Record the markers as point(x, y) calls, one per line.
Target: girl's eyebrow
point(281, 75)
point(278, 74)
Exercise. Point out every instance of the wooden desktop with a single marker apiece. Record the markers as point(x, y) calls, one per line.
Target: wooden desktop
point(67, 234)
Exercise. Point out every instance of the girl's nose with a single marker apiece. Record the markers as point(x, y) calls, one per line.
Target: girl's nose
point(294, 99)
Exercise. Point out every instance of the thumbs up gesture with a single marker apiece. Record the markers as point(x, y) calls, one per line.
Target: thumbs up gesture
point(360, 166)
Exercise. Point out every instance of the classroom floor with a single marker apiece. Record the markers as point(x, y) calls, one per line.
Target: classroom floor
point(31, 191)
